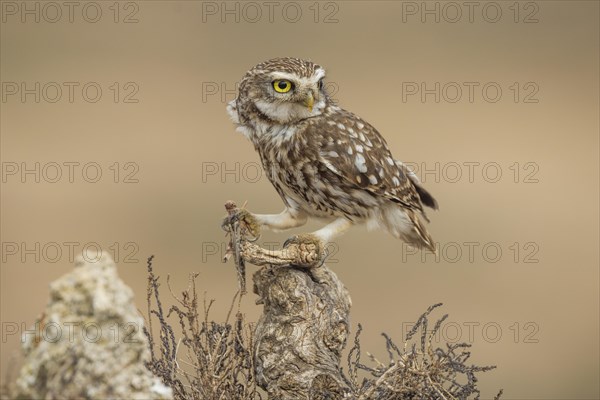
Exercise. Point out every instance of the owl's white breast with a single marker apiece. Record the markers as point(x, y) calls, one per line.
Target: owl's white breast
point(276, 135)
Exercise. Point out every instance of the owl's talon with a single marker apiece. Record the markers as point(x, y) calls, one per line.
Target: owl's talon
point(311, 249)
point(247, 221)
point(324, 256)
point(288, 241)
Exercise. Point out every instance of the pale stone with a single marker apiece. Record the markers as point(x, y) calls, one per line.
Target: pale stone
point(89, 341)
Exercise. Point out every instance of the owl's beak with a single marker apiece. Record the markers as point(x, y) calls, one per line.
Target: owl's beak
point(309, 101)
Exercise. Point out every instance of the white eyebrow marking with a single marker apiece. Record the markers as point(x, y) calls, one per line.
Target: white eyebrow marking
point(320, 73)
point(283, 75)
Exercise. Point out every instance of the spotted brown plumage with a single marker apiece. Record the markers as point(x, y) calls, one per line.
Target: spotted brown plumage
point(325, 161)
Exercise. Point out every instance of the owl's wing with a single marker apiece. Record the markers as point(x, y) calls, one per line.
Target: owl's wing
point(354, 150)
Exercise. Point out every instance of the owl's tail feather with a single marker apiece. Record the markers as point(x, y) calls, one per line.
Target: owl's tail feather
point(426, 197)
point(405, 224)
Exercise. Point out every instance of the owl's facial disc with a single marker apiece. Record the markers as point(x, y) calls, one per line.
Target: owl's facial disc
point(291, 98)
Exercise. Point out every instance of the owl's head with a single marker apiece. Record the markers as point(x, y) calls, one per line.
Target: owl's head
point(285, 90)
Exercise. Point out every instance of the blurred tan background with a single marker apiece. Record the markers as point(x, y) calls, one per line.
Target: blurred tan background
point(518, 266)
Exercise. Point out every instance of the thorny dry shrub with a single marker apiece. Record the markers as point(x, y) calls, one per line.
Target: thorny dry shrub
point(211, 360)
point(417, 370)
point(214, 360)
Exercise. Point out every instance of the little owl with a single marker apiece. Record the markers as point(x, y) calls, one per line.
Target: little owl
point(325, 162)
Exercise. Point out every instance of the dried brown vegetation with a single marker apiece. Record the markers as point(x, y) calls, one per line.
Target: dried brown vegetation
point(214, 360)
point(417, 369)
point(210, 360)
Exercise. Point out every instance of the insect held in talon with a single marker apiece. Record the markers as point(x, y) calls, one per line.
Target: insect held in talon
point(325, 162)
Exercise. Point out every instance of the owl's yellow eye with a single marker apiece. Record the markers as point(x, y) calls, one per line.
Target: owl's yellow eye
point(282, 86)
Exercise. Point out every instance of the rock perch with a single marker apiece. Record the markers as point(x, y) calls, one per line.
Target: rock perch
point(88, 343)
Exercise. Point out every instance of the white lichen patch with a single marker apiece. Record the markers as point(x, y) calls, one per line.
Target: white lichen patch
point(89, 341)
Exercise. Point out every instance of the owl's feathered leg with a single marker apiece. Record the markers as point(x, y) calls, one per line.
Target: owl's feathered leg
point(287, 219)
point(308, 245)
point(333, 229)
point(243, 228)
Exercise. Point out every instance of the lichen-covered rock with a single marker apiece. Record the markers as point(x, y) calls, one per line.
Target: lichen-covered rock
point(88, 343)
